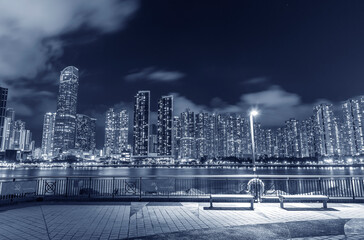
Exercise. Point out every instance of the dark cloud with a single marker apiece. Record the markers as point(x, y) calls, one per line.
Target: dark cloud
point(29, 33)
point(275, 105)
point(152, 74)
point(256, 80)
point(31, 41)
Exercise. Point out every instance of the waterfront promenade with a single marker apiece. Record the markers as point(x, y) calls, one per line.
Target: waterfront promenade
point(180, 220)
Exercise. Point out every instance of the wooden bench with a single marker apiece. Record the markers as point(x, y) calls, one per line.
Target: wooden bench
point(299, 198)
point(228, 197)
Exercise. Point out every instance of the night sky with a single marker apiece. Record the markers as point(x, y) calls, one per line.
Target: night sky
point(225, 56)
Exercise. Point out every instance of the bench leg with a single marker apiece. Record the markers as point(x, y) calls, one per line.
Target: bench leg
point(281, 203)
point(325, 204)
point(252, 205)
point(210, 202)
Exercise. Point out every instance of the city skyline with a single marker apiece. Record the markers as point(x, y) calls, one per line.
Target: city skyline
point(323, 134)
point(206, 62)
point(206, 135)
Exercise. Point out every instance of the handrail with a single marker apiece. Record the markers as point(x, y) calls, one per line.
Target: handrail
point(188, 176)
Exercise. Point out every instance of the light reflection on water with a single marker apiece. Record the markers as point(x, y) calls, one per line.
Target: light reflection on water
point(158, 171)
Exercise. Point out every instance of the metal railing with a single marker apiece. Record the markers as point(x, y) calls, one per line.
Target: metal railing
point(115, 187)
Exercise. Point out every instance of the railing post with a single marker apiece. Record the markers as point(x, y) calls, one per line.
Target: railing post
point(140, 188)
point(258, 189)
point(320, 187)
point(38, 186)
point(89, 188)
point(287, 185)
point(66, 187)
point(113, 187)
point(41, 184)
point(352, 187)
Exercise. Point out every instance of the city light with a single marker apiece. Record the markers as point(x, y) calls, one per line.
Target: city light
point(254, 112)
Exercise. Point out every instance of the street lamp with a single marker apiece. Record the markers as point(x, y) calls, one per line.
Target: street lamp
point(252, 114)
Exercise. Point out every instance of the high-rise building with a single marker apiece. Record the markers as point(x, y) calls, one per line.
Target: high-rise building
point(22, 137)
point(293, 135)
point(85, 133)
point(353, 126)
point(269, 143)
point(48, 133)
point(65, 125)
point(176, 137)
point(116, 131)
point(307, 144)
point(201, 134)
point(325, 131)
point(141, 123)
point(7, 141)
point(3, 100)
point(234, 128)
point(122, 131)
point(153, 139)
point(282, 142)
point(212, 136)
point(221, 135)
point(165, 126)
point(188, 146)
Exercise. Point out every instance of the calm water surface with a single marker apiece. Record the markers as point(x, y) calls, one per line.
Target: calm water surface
point(140, 172)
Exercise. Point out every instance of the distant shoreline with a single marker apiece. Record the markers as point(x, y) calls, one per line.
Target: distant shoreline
point(39, 165)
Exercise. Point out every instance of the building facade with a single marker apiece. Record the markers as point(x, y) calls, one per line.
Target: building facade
point(141, 124)
point(116, 132)
point(188, 145)
point(353, 128)
point(325, 131)
point(3, 101)
point(165, 126)
point(48, 133)
point(65, 125)
point(85, 133)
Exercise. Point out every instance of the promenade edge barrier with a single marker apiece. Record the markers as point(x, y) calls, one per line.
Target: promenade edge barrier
point(262, 187)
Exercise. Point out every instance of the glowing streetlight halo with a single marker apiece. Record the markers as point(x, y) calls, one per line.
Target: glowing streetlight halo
point(254, 112)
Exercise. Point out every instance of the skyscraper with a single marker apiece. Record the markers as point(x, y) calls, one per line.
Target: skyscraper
point(153, 139)
point(65, 125)
point(212, 136)
point(353, 126)
point(8, 131)
point(141, 123)
point(176, 137)
point(22, 136)
point(188, 150)
point(165, 126)
point(122, 131)
point(201, 134)
point(85, 133)
point(116, 131)
point(48, 133)
point(325, 130)
point(221, 135)
point(293, 136)
point(307, 146)
point(3, 100)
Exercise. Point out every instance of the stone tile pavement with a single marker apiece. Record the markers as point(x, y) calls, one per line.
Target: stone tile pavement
point(173, 220)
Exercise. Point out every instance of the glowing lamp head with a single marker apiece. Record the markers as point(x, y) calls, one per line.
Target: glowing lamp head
point(254, 112)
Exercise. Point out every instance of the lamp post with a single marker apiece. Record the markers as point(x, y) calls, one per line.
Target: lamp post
point(252, 114)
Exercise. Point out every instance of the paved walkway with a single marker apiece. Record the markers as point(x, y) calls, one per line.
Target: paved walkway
point(153, 220)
